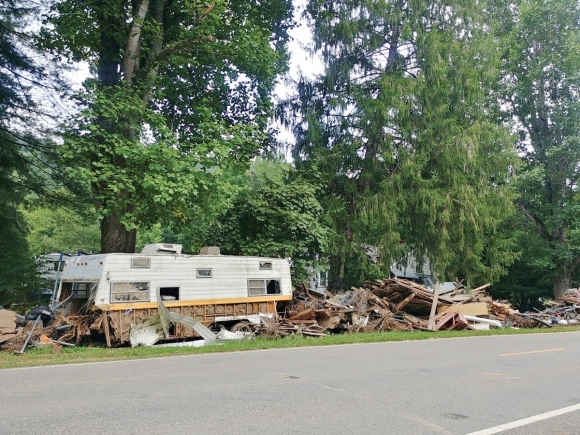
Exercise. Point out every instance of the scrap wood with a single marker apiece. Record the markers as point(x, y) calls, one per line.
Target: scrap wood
point(307, 314)
point(431, 324)
point(305, 322)
point(450, 321)
point(459, 287)
point(7, 322)
point(536, 319)
point(480, 288)
point(405, 301)
point(17, 341)
point(330, 323)
point(472, 309)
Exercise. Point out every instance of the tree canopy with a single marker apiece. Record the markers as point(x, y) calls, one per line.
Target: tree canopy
point(19, 149)
point(539, 90)
point(448, 130)
point(179, 88)
point(398, 126)
point(274, 213)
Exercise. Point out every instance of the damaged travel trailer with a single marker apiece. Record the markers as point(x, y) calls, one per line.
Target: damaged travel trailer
point(220, 291)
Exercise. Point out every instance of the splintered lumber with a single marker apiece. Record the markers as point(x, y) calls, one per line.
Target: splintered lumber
point(471, 309)
point(305, 322)
point(434, 307)
point(451, 322)
point(405, 301)
point(479, 289)
point(331, 323)
point(307, 314)
point(107, 330)
point(397, 290)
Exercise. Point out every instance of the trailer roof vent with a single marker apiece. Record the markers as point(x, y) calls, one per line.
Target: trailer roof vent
point(162, 248)
point(209, 250)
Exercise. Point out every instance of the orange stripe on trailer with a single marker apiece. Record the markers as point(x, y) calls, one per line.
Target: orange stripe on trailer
point(191, 303)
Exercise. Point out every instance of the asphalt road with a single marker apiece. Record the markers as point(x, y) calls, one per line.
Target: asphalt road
point(453, 387)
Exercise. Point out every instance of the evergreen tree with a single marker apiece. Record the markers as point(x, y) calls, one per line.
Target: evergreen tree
point(398, 127)
point(18, 149)
point(539, 90)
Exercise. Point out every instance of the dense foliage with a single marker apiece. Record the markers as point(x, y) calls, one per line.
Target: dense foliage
point(398, 128)
point(448, 130)
point(19, 149)
point(539, 89)
point(275, 213)
point(179, 88)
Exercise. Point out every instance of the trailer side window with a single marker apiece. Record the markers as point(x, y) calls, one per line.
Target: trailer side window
point(257, 287)
point(129, 292)
point(140, 263)
point(169, 293)
point(203, 273)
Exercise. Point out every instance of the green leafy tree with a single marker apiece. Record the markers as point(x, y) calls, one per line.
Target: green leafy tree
point(524, 285)
point(58, 228)
point(398, 127)
point(180, 88)
point(539, 91)
point(61, 229)
point(274, 213)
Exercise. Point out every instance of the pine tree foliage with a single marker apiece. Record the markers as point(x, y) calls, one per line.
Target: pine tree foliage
point(539, 90)
point(398, 125)
point(18, 150)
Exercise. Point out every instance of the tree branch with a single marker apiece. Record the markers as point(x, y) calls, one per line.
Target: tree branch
point(538, 224)
point(179, 47)
point(129, 62)
point(572, 266)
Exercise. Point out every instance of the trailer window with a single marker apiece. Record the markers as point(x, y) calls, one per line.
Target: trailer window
point(204, 273)
point(169, 293)
point(129, 292)
point(265, 265)
point(140, 263)
point(258, 287)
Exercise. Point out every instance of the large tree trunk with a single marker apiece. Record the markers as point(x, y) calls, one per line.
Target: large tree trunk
point(115, 237)
point(562, 282)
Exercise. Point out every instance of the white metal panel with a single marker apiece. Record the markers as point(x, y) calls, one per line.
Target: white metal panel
point(230, 275)
point(84, 268)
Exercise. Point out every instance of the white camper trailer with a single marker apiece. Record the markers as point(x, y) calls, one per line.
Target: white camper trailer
point(212, 288)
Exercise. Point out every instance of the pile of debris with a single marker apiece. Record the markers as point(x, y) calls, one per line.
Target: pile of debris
point(563, 311)
point(41, 327)
point(403, 305)
point(384, 305)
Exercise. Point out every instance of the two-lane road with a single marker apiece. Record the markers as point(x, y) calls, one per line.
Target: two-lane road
point(453, 387)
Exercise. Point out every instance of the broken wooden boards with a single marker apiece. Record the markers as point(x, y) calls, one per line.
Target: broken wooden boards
point(156, 328)
point(383, 305)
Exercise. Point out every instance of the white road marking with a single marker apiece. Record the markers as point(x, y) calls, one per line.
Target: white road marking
point(526, 421)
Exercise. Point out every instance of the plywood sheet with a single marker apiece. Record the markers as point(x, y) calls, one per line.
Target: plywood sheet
point(472, 309)
point(7, 322)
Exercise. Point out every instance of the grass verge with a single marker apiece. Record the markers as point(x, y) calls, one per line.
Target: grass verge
point(71, 355)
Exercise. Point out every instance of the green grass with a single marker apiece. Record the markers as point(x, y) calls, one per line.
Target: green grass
point(71, 355)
